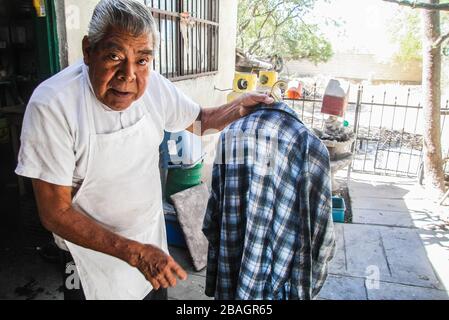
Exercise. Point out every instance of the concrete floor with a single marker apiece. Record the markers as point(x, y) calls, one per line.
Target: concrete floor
point(396, 248)
point(25, 275)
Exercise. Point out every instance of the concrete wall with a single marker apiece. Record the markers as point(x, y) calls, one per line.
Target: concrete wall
point(358, 67)
point(77, 17)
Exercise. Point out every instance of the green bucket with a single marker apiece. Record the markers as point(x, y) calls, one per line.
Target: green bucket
point(179, 179)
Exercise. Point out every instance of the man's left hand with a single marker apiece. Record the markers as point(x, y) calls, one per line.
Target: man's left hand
point(248, 101)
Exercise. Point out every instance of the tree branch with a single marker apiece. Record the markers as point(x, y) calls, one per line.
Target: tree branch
point(290, 16)
point(256, 44)
point(269, 15)
point(440, 40)
point(421, 5)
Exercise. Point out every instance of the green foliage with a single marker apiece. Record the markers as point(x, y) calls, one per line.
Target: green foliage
point(269, 27)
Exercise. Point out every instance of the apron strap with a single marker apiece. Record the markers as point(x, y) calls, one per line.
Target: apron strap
point(88, 92)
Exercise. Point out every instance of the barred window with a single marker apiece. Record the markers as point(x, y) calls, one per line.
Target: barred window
point(189, 37)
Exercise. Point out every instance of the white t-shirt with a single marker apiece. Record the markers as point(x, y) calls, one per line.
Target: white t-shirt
point(55, 132)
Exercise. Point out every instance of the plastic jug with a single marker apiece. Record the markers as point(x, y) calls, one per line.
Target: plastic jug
point(294, 90)
point(335, 98)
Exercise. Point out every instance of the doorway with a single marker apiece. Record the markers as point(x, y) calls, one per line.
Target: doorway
point(28, 55)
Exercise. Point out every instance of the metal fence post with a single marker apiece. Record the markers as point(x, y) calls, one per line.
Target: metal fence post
point(358, 106)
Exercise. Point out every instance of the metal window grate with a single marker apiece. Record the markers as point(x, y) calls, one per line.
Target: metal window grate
point(178, 59)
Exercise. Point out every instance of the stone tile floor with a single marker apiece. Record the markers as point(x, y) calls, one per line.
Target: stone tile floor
point(396, 248)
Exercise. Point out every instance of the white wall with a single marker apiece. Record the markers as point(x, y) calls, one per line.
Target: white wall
point(357, 66)
point(77, 17)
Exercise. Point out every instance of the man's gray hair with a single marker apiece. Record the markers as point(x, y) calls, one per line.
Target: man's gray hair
point(131, 16)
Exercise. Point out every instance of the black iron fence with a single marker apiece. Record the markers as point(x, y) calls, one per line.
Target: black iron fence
point(388, 129)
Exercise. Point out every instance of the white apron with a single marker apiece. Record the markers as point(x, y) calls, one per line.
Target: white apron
point(121, 191)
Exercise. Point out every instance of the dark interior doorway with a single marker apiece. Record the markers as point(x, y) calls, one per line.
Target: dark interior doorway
point(28, 55)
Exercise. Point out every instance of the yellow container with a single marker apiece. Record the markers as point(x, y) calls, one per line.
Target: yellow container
point(233, 95)
point(244, 82)
point(267, 78)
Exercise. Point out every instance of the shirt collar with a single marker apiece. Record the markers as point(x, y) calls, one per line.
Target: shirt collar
point(279, 106)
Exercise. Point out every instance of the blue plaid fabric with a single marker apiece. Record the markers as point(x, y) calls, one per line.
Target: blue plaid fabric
point(268, 220)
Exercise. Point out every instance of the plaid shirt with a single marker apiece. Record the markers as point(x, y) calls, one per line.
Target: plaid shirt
point(268, 221)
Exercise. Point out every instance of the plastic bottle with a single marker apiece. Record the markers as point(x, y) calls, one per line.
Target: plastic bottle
point(335, 98)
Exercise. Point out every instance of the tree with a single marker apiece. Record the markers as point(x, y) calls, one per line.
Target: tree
point(277, 27)
point(431, 78)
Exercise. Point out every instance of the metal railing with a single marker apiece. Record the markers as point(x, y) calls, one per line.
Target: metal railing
point(388, 135)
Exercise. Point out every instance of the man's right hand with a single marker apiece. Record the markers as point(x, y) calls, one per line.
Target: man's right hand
point(160, 269)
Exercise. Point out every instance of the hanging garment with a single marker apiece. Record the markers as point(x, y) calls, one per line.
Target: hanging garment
point(268, 221)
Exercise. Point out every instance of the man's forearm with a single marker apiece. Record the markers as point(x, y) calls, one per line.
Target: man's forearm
point(58, 216)
point(217, 118)
point(84, 231)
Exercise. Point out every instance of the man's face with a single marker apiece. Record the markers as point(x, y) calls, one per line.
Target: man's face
point(119, 67)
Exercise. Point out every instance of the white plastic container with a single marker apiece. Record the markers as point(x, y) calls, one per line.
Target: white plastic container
point(184, 148)
point(335, 98)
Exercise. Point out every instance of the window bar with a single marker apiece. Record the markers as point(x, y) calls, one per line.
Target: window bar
point(204, 53)
point(205, 37)
point(217, 16)
point(180, 42)
point(217, 46)
point(154, 53)
point(166, 43)
point(197, 56)
point(206, 46)
point(172, 29)
point(185, 56)
point(191, 49)
point(200, 69)
point(218, 34)
point(160, 46)
point(214, 46)
point(209, 37)
point(150, 4)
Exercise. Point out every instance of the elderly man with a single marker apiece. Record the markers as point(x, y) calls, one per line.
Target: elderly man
point(90, 143)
